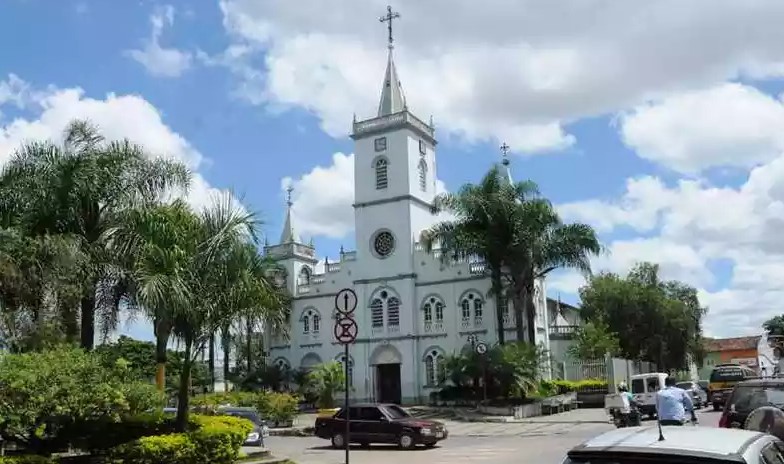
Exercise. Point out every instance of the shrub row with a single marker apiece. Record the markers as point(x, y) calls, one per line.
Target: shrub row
point(213, 440)
point(25, 460)
point(273, 406)
point(560, 387)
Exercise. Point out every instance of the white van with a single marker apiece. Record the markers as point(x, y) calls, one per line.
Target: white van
point(644, 388)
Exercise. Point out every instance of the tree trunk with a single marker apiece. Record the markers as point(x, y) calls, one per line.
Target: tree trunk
point(530, 313)
point(211, 362)
point(226, 345)
point(248, 330)
point(500, 304)
point(161, 342)
point(183, 398)
point(88, 320)
point(518, 303)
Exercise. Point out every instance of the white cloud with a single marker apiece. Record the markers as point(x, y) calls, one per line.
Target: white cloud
point(499, 69)
point(725, 125)
point(118, 116)
point(323, 199)
point(697, 224)
point(157, 60)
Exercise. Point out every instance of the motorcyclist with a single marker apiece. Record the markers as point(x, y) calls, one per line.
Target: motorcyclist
point(634, 414)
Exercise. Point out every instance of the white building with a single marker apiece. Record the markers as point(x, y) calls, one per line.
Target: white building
point(413, 310)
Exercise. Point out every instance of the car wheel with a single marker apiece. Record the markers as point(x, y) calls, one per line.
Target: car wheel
point(338, 441)
point(406, 441)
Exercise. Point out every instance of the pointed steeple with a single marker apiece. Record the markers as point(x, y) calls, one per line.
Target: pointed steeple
point(288, 235)
point(392, 98)
point(507, 171)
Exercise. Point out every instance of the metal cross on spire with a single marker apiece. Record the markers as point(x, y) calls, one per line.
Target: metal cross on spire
point(505, 153)
point(388, 19)
point(289, 190)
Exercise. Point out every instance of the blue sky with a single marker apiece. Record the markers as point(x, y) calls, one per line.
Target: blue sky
point(667, 138)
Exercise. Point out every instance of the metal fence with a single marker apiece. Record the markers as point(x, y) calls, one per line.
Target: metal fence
point(614, 370)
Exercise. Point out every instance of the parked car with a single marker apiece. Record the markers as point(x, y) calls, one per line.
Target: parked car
point(698, 396)
point(749, 395)
point(687, 444)
point(260, 430)
point(256, 436)
point(379, 423)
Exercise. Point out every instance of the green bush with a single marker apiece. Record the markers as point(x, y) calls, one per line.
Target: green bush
point(277, 407)
point(212, 401)
point(213, 440)
point(26, 459)
point(560, 387)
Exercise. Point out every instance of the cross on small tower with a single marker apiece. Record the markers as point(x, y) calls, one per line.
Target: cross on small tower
point(505, 153)
point(289, 189)
point(388, 19)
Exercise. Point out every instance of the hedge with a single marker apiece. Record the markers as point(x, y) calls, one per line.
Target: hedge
point(273, 406)
point(27, 459)
point(214, 440)
point(560, 387)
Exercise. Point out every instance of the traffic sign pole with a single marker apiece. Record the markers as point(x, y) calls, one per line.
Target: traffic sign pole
point(346, 331)
point(481, 350)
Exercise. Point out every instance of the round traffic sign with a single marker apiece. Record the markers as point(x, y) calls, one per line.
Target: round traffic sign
point(345, 302)
point(481, 348)
point(346, 330)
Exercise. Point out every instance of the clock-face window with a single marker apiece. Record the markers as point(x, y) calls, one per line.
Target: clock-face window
point(422, 147)
point(381, 144)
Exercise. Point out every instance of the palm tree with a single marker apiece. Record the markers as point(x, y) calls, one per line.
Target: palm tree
point(483, 227)
point(542, 244)
point(80, 188)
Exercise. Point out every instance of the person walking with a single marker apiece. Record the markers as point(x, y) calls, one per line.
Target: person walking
point(672, 404)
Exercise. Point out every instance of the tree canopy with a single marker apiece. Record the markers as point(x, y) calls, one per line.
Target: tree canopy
point(653, 320)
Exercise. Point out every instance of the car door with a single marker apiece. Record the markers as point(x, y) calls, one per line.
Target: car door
point(375, 425)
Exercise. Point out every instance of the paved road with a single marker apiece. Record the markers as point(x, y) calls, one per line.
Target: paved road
point(540, 443)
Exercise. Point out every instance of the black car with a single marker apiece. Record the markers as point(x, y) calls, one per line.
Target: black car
point(380, 423)
point(748, 396)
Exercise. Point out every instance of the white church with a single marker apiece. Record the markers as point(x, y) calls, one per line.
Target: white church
point(413, 309)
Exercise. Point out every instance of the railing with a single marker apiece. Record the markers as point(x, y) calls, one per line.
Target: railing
point(477, 268)
point(563, 329)
point(434, 327)
point(349, 256)
point(333, 267)
point(384, 122)
point(378, 330)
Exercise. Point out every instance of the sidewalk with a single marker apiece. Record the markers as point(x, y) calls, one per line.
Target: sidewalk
point(575, 416)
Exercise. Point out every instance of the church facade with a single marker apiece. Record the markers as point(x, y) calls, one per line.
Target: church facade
point(413, 308)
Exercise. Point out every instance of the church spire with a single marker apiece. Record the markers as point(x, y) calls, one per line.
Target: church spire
point(392, 98)
point(506, 171)
point(288, 235)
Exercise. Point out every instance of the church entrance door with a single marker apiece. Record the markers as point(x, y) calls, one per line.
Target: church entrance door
point(389, 390)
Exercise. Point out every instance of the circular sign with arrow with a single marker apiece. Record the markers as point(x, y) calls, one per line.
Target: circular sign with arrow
point(481, 348)
point(345, 302)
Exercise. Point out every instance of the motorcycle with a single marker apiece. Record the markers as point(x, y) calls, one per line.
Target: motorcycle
point(622, 412)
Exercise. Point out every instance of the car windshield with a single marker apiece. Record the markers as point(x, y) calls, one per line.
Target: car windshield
point(396, 412)
point(684, 385)
point(651, 459)
point(748, 398)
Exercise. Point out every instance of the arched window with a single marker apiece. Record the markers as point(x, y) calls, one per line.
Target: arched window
point(385, 311)
point(393, 312)
point(304, 276)
point(422, 175)
point(382, 178)
point(282, 364)
point(433, 313)
point(341, 359)
point(377, 313)
point(435, 368)
point(472, 309)
point(311, 322)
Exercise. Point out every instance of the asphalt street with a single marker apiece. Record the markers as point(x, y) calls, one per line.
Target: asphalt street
point(517, 443)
